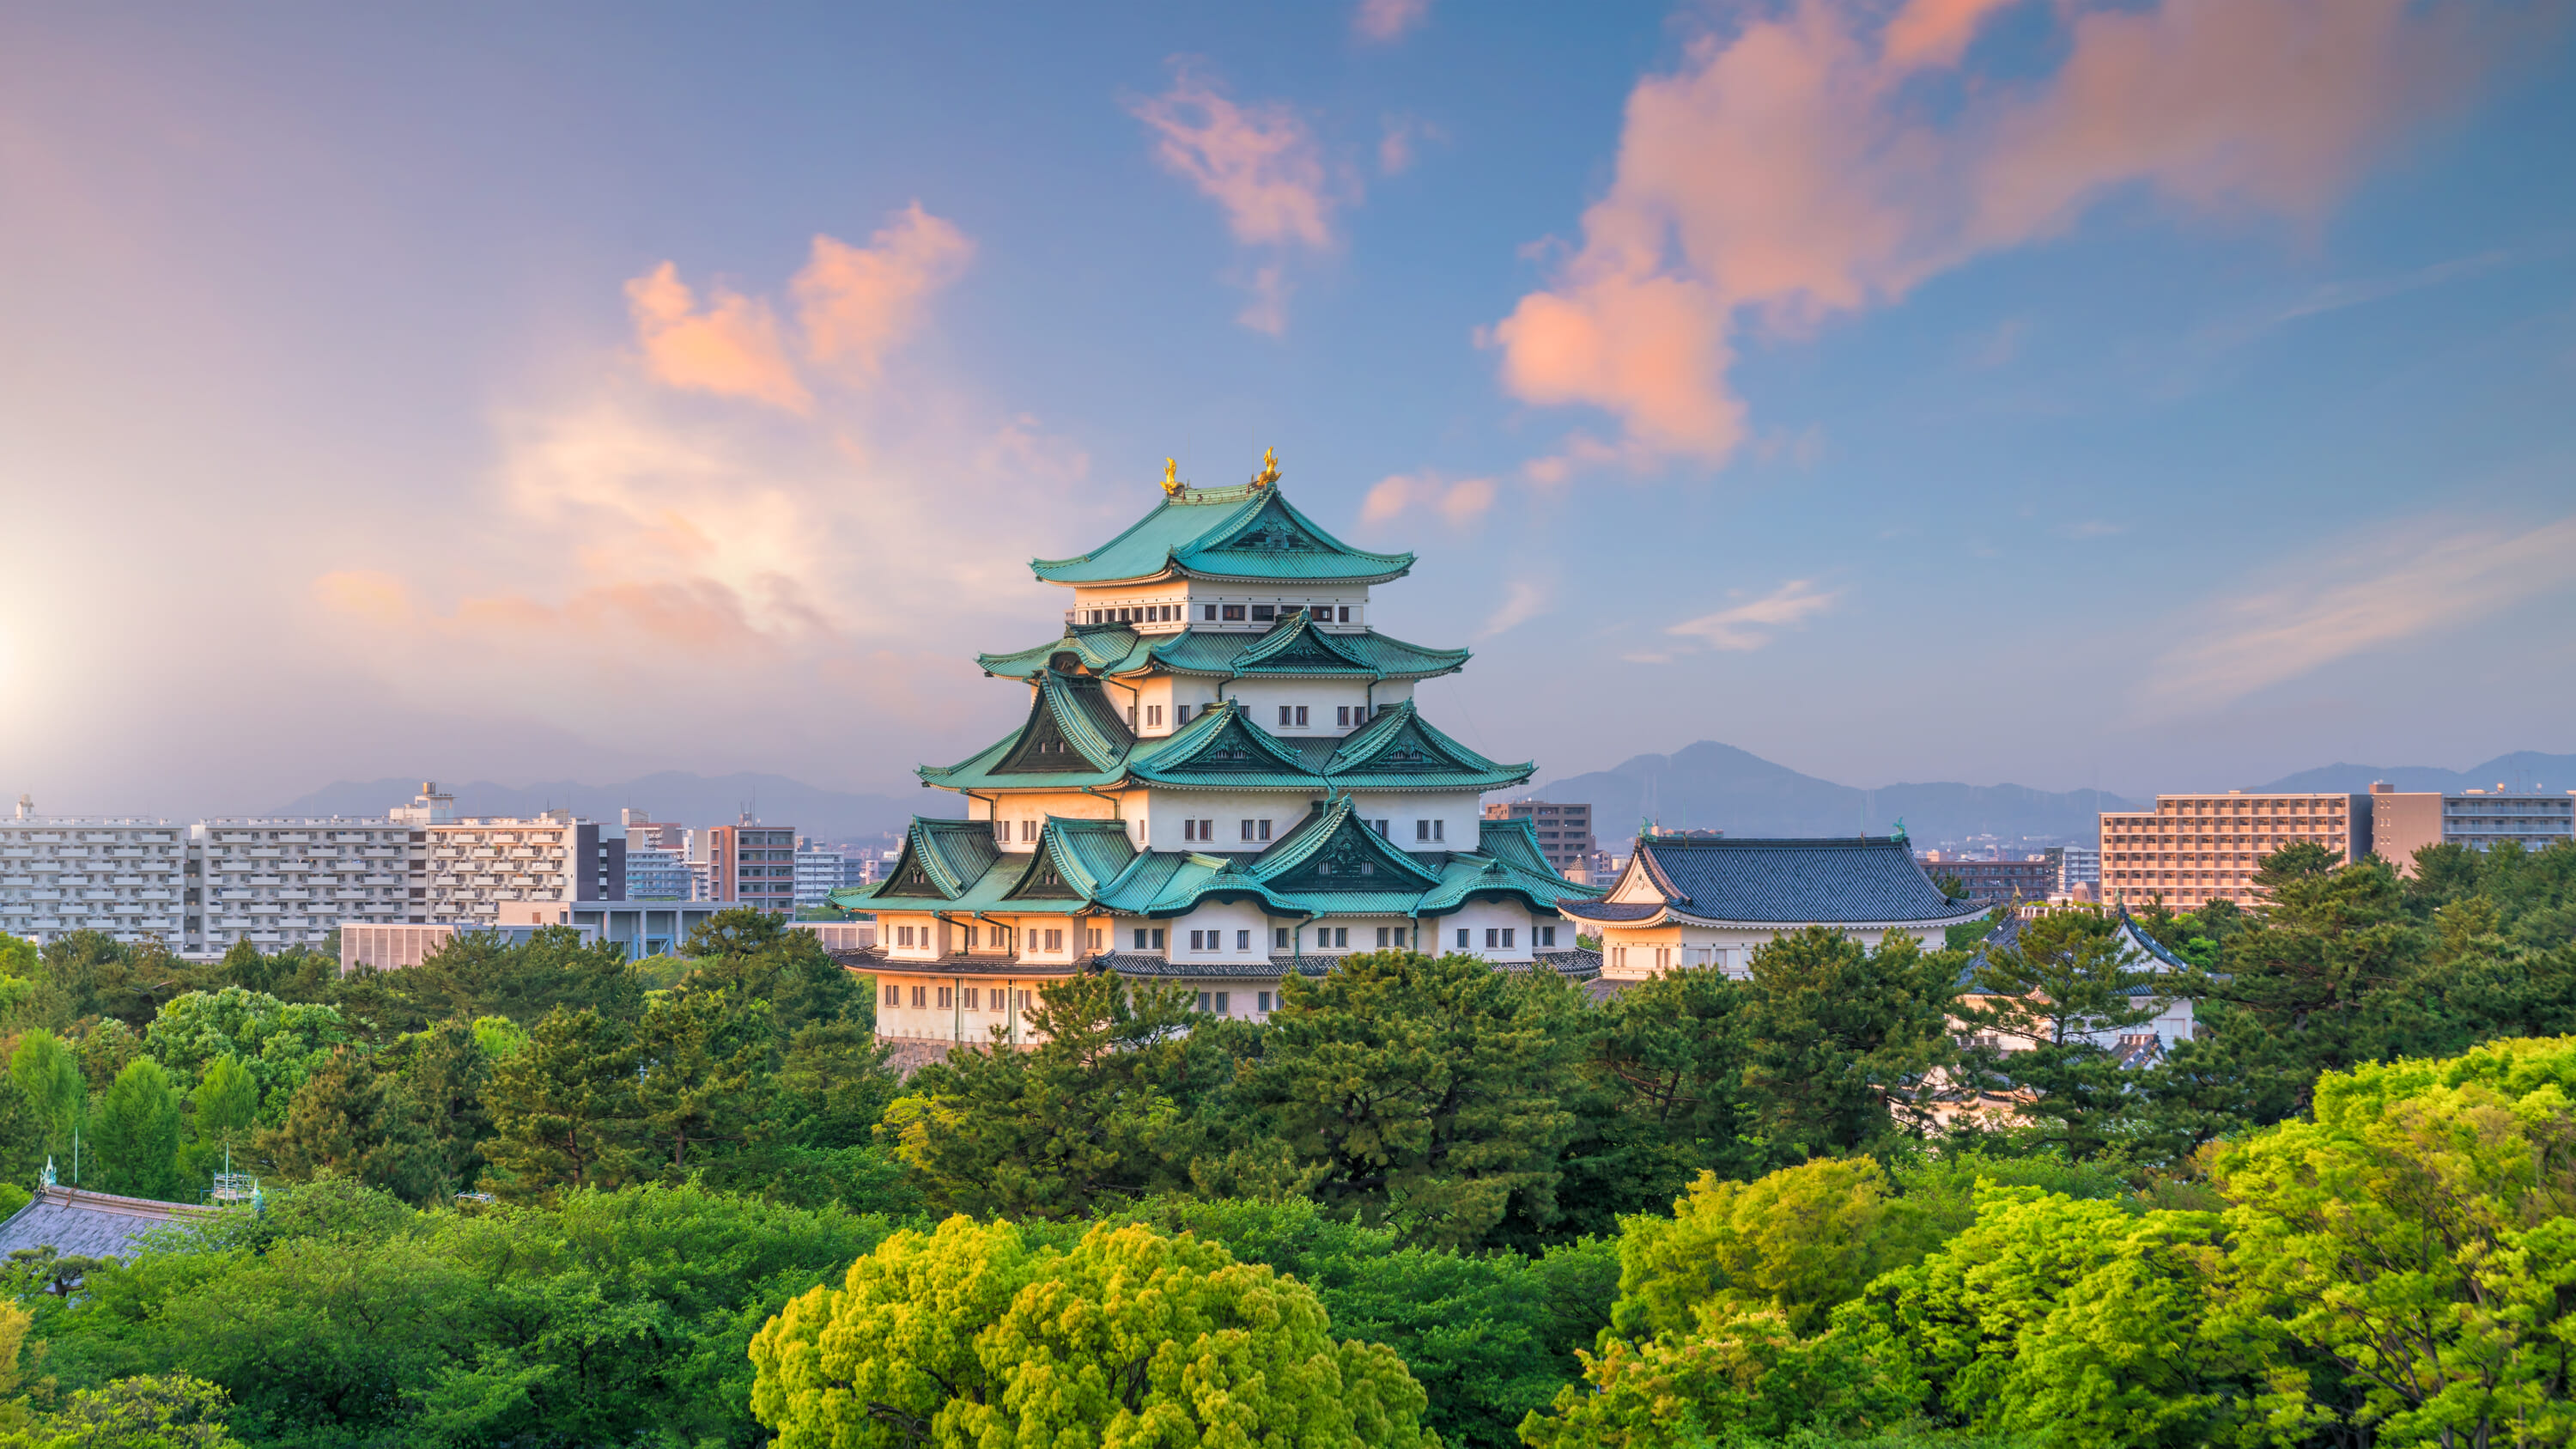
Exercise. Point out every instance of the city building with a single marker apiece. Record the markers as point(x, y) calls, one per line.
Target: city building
point(126, 876)
point(1993, 882)
point(656, 874)
point(388, 947)
point(821, 871)
point(652, 834)
point(1711, 901)
point(1223, 778)
point(1564, 831)
point(753, 866)
point(464, 869)
point(2074, 867)
point(280, 881)
point(2194, 849)
point(2403, 822)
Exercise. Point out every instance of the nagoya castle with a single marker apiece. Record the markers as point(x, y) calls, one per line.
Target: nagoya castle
point(1224, 779)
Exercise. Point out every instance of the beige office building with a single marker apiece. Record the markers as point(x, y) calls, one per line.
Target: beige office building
point(2194, 849)
point(2405, 821)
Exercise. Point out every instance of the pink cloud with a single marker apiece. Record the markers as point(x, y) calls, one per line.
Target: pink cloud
point(1460, 501)
point(1386, 21)
point(1788, 172)
point(731, 347)
point(858, 303)
point(1257, 162)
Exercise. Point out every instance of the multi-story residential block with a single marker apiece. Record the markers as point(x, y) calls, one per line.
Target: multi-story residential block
point(1991, 882)
point(753, 865)
point(2194, 849)
point(656, 874)
point(279, 881)
point(122, 875)
point(652, 834)
point(1564, 831)
point(2405, 821)
point(2076, 866)
point(465, 868)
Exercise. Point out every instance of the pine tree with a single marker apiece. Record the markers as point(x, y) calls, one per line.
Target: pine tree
point(564, 1106)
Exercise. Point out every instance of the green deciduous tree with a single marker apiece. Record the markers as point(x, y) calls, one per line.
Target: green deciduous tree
point(2421, 1233)
point(134, 1135)
point(1424, 1091)
point(970, 1336)
point(1796, 1244)
point(280, 1042)
point(49, 1074)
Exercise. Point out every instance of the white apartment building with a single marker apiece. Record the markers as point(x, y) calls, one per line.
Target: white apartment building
point(291, 881)
point(820, 871)
point(125, 876)
point(656, 874)
point(466, 869)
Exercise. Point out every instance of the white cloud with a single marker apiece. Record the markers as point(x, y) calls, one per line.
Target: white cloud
point(1525, 600)
point(2399, 583)
point(1259, 162)
point(1754, 623)
point(1387, 21)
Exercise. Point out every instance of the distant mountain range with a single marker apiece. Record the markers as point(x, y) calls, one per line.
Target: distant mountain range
point(2521, 770)
point(671, 795)
point(1710, 786)
point(1707, 786)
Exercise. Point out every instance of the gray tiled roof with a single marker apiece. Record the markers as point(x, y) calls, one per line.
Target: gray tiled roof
point(1791, 882)
point(78, 1224)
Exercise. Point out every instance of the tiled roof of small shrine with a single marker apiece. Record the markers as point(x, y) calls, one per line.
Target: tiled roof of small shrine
point(1787, 882)
point(1249, 532)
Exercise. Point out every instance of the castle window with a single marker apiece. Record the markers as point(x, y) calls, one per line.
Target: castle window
point(1346, 613)
point(1493, 938)
point(1220, 1003)
point(894, 994)
point(1243, 940)
point(1462, 938)
point(1261, 612)
point(1233, 611)
point(945, 999)
point(1203, 1001)
point(917, 994)
point(1153, 716)
point(1265, 1002)
point(1279, 938)
point(1256, 829)
point(1546, 935)
point(966, 1001)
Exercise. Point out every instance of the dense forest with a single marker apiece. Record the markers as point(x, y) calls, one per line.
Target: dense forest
point(533, 1195)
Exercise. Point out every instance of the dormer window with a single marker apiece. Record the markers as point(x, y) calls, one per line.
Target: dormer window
point(1263, 612)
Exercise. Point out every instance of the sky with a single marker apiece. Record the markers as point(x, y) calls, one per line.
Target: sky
point(2121, 394)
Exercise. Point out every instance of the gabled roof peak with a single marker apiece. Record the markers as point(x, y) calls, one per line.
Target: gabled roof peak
point(1249, 532)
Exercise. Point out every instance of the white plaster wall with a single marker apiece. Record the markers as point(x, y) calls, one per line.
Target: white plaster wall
point(1164, 810)
point(1478, 917)
point(1203, 593)
point(1263, 697)
point(1363, 934)
point(1230, 919)
point(952, 1022)
point(1031, 810)
point(1172, 592)
point(1730, 950)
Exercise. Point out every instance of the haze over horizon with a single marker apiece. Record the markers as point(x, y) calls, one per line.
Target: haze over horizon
point(1890, 391)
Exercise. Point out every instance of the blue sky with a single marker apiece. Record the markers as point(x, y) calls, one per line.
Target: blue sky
point(2142, 395)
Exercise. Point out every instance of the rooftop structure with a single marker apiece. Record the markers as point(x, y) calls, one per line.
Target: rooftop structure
point(1708, 901)
point(1564, 831)
point(78, 1224)
point(1222, 778)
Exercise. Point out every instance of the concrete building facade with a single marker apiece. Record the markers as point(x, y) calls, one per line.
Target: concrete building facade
point(1564, 831)
point(280, 881)
point(1993, 882)
point(753, 866)
point(2406, 821)
point(126, 876)
point(2194, 849)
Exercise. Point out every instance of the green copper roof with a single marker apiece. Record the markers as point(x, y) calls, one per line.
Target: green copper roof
point(1249, 532)
point(941, 860)
point(1329, 863)
point(1221, 748)
point(1295, 648)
